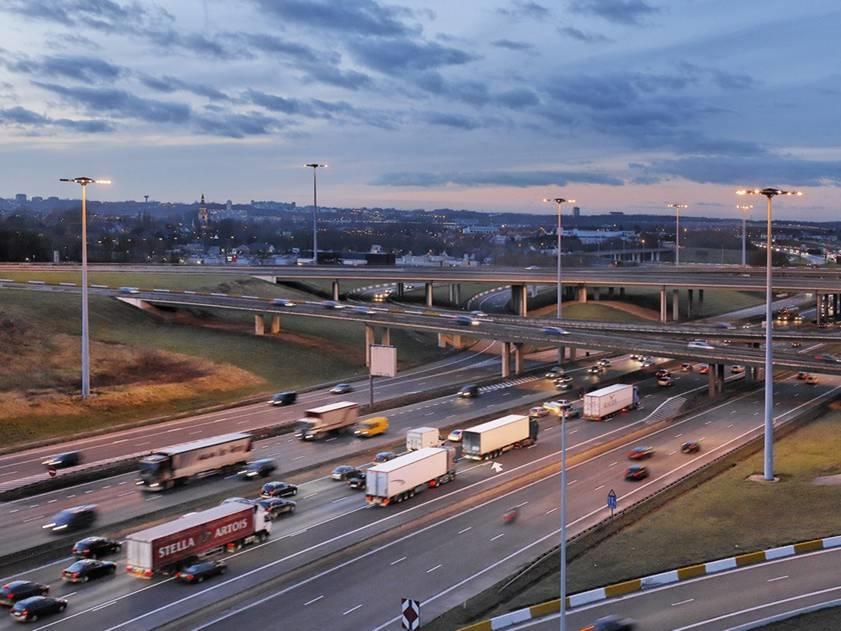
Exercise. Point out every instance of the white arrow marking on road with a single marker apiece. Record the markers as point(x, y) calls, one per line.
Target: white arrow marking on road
point(496, 467)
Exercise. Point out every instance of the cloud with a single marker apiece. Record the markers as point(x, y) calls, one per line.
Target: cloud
point(581, 36)
point(77, 67)
point(450, 120)
point(292, 50)
point(396, 56)
point(768, 169)
point(339, 111)
point(525, 9)
point(233, 125)
point(168, 84)
point(626, 12)
point(22, 117)
point(361, 17)
point(511, 44)
point(518, 98)
point(520, 179)
point(99, 14)
point(331, 75)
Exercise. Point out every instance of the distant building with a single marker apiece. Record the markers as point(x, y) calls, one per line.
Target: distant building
point(20, 199)
point(576, 212)
point(480, 230)
point(204, 218)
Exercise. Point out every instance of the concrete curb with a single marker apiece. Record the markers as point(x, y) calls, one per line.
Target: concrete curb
point(654, 580)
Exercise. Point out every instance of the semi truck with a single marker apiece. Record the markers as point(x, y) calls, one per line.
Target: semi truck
point(407, 475)
point(493, 438)
point(164, 468)
point(421, 437)
point(164, 548)
point(327, 419)
point(605, 402)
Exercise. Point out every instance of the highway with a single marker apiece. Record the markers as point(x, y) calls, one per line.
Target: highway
point(331, 518)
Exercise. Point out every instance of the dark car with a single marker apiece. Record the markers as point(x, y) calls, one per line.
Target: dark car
point(197, 572)
point(358, 482)
point(276, 506)
point(640, 453)
point(31, 609)
point(662, 373)
point(555, 372)
point(261, 468)
point(63, 460)
point(690, 447)
point(95, 547)
point(341, 388)
point(14, 591)
point(555, 330)
point(665, 382)
point(278, 489)
point(282, 302)
point(612, 623)
point(345, 472)
point(465, 320)
point(284, 398)
point(74, 518)
point(636, 472)
point(385, 456)
point(595, 370)
point(332, 304)
point(85, 569)
point(469, 391)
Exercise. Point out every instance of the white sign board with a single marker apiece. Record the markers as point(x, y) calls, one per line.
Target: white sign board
point(383, 361)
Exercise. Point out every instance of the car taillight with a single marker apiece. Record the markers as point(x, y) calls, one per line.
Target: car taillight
point(189, 577)
point(75, 575)
point(147, 573)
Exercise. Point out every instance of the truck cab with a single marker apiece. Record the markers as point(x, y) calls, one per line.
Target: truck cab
point(371, 427)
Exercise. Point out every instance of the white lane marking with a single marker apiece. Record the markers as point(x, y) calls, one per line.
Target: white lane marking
point(126, 493)
point(551, 510)
point(351, 610)
point(571, 482)
point(432, 569)
point(502, 534)
point(464, 530)
point(612, 464)
point(683, 602)
point(314, 600)
point(779, 578)
point(400, 560)
point(600, 486)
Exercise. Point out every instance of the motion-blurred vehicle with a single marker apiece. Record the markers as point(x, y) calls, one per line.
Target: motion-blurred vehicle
point(63, 460)
point(704, 370)
point(690, 447)
point(278, 489)
point(95, 547)
point(611, 623)
point(564, 379)
point(636, 472)
point(812, 380)
point(198, 572)
point(385, 456)
point(604, 362)
point(74, 518)
point(802, 375)
point(665, 382)
point(538, 412)
point(371, 427)
point(282, 302)
point(358, 482)
point(363, 310)
point(662, 372)
point(84, 570)
point(466, 320)
point(277, 506)
point(332, 304)
point(468, 391)
point(555, 330)
point(686, 367)
point(261, 468)
point(283, 398)
point(737, 370)
point(455, 436)
point(595, 370)
point(702, 344)
point(15, 591)
point(345, 472)
point(479, 314)
point(555, 372)
point(563, 386)
point(341, 388)
point(129, 290)
point(640, 453)
point(31, 609)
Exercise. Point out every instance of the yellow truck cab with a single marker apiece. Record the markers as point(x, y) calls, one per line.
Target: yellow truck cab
point(371, 427)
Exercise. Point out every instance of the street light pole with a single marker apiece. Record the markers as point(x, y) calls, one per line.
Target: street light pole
point(86, 372)
point(559, 201)
point(677, 208)
point(745, 208)
point(563, 562)
point(768, 469)
point(315, 166)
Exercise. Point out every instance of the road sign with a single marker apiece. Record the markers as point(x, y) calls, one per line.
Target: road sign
point(52, 472)
point(410, 611)
point(611, 501)
point(496, 467)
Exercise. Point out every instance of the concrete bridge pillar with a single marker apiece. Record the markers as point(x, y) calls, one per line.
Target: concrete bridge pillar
point(572, 353)
point(582, 293)
point(610, 292)
point(275, 324)
point(715, 379)
point(676, 304)
point(520, 300)
point(597, 293)
point(457, 292)
point(259, 325)
point(561, 354)
point(518, 358)
point(386, 337)
point(335, 288)
point(621, 291)
point(818, 301)
point(427, 294)
point(691, 293)
point(451, 294)
point(700, 299)
point(506, 359)
point(663, 311)
point(369, 340)
point(401, 290)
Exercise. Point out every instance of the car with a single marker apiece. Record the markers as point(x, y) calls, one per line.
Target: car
point(63, 460)
point(690, 447)
point(827, 358)
point(277, 506)
point(563, 386)
point(796, 344)
point(74, 518)
point(278, 489)
point(332, 304)
point(555, 330)
point(31, 609)
point(702, 344)
point(555, 372)
point(95, 547)
point(282, 302)
point(84, 570)
point(686, 367)
point(363, 310)
point(455, 435)
point(636, 357)
point(636, 472)
point(532, 267)
point(14, 591)
point(261, 468)
point(802, 375)
point(341, 388)
point(198, 572)
point(344, 472)
point(647, 363)
point(662, 372)
point(564, 379)
point(385, 456)
point(468, 391)
point(555, 407)
point(737, 370)
point(640, 453)
point(283, 398)
point(595, 370)
point(538, 412)
point(604, 362)
point(129, 290)
point(571, 412)
point(479, 314)
point(466, 320)
point(704, 370)
point(665, 382)
point(611, 623)
point(357, 483)
point(812, 380)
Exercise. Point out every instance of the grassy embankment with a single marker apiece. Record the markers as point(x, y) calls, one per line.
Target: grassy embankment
point(144, 367)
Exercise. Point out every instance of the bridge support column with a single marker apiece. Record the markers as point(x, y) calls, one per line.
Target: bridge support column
point(621, 291)
point(451, 294)
point(818, 301)
point(518, 358)
point(520, 300)
point(369, 340)
point(561, 354)
point(676, 304)
point(259, 325)
point(386, 337)
point(597, 293)
point(335, 288)
point(572, 353)
point(427, 294)
point(700, 299)
point(275, 324)
point(610, 292)
point(835, 304)
point(506, 359)
point(582, 293)
point(663, 311)
point(715, 379)
point(401, 290)
point(691, 293)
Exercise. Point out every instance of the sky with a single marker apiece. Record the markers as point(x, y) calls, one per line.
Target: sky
point(481, 104)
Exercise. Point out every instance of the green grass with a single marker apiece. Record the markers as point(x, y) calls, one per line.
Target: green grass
point(596, 312)
point(716, 301)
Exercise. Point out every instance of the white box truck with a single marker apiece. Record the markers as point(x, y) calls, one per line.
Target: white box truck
point(164, 468)
point(421, 437)
point(165, 547)
point(490, 439)
point(409, 474)
point(605, 402)
point(335, 417)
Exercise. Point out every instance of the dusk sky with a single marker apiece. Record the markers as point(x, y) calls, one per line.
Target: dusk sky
point(487, 105)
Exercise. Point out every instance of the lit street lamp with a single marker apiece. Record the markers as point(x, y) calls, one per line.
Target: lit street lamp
point(745, 208)
point(314, 166)
point(677, 208)
point(559, 201)
point(770, 193)
point(86, 368)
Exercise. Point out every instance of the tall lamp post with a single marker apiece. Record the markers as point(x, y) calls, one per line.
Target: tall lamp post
point(559, 201)
point(315, 166)
point(769, 193)
point(86, 359)
point(677, 208)
point(745, 208)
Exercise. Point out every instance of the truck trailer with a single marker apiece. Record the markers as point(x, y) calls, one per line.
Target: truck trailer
point(407, 475)
point(169, 466)
point(163, 549)
point(605, 402)
point(493, 438)
point(421, 437)
point(327, 419)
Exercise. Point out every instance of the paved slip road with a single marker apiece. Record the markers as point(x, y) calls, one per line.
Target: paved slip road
point(440, 560)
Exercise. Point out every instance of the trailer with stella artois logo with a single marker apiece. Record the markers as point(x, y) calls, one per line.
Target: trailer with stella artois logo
point(165, 548)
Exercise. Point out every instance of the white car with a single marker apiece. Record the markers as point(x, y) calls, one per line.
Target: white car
point(702, 344)
point(455, 435)
point(556, 407)
point(479, 314)
point(538, 412)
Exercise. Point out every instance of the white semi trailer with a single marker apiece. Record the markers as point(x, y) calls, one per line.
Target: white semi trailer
point(335, 417)
point(605, 402)
point(407, 475)
point(490, 439)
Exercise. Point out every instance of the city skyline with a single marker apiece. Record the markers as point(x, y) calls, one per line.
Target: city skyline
point(486, 107)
